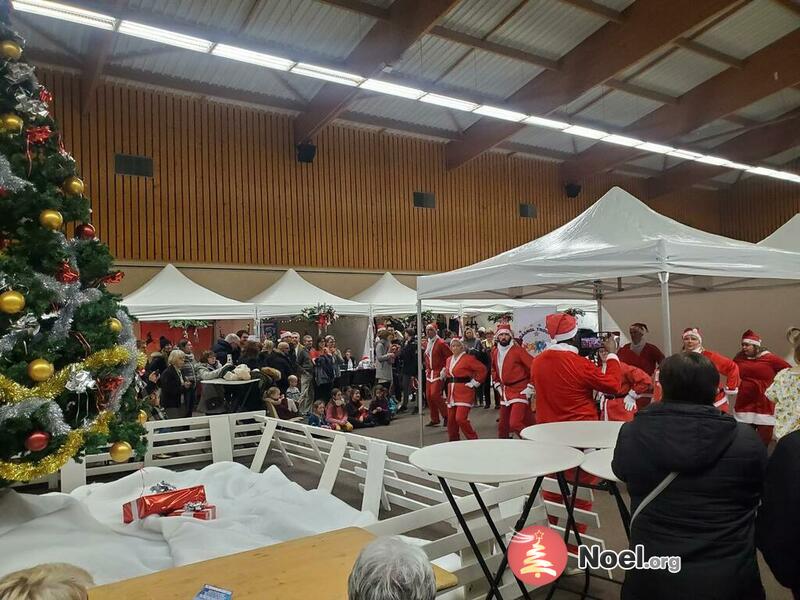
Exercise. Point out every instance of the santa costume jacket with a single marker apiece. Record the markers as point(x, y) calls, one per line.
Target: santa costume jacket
point(635, 384)
point(757, 374)
point(647, 358)
point(511, 370)
point(436, 354)
point(462, 375)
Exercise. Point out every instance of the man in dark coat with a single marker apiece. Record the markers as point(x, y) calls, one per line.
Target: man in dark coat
point(279, 360)
point(706, 515)
point(229, 346)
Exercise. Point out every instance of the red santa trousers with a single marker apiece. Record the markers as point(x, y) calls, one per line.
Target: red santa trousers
point(514, 418)
point(458, 419)
point(436, 404)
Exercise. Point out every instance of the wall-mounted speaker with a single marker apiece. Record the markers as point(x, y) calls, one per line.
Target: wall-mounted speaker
point(572, 190)
point(306, 152)
point(424, 200)
point(527, 211)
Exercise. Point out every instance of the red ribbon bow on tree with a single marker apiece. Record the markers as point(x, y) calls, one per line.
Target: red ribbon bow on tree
point(114, 277)
point(106, 388)
point(66, 274)
point(45, 95)
point(35, 135)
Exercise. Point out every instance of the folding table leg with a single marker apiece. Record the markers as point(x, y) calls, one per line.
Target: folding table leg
point(473, 544)
point(569, 504)
point(624, 514)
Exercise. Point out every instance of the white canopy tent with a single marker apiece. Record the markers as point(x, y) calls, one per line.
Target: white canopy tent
point(289, 295)
point(388, 296)
point(618, 247)
point(785, 237)
point(172, 295)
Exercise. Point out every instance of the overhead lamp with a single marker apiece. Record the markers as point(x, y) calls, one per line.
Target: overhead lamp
point(449, 102)
point(500, 113)
point(735, 165)
point(621, 140)
point(542, 122)
point(171, 38)
point(775, 174)
point(66, 13)
point(327, 74)
point(685, 154)
point(376, 85)
point(717, 161)
point(251, 57)
point(657, 148)
point(587, 132)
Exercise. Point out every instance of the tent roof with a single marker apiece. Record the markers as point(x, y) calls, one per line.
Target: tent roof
point(617, 237)
point(291, 294)
point(388, 296)
point(172, 295)
point(785, 237)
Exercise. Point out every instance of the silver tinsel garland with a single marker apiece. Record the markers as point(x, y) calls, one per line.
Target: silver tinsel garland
point(8, 180)
point(128, 341)
point(52, 417)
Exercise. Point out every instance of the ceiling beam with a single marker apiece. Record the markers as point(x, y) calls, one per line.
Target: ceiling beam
point(102, 43)
point(649, 25)
point(748, 148)
point(384, 43)
point(703, 50)
point(361, 8)
point(596, 9)
point(637, 90)
point(766, 72)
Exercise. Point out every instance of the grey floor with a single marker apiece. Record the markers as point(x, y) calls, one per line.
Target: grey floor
point(405, 429)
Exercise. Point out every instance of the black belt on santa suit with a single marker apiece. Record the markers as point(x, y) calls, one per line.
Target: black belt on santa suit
point(449, 380)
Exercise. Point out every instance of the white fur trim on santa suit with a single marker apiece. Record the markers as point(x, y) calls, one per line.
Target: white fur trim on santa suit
point(562, 337)
point(501, 355)
point(752, 418)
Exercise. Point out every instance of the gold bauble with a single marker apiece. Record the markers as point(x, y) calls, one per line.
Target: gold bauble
point(115, 325)
point(11, 302)
point(73, 186)
point(11, 123)
point(51, 219)
point(142, 417)
point(10, 49)
point(120, 452)
point(40, 370)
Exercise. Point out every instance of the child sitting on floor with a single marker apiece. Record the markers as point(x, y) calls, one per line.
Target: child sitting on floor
point(293, 392)
point(379, 407)
point(336, 415)
point(357, 414)
point(280, 405)
point(317, 415)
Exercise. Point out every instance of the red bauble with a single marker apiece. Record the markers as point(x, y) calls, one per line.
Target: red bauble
point(85, 231)
point(37, 441)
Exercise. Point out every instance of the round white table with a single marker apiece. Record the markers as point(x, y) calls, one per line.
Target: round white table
point(577, 434)
point(599, 464)
point(498, 461)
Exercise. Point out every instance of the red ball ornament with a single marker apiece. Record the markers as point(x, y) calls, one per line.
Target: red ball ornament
point(37, 441)
point(85, 231)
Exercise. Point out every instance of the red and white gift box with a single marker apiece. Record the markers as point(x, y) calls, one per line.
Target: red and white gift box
point(162, 503)
point(204, 512)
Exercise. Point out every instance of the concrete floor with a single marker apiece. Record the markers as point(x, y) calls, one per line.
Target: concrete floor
point(405, 430)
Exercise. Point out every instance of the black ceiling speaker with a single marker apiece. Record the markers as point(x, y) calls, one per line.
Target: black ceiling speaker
point(306, 152)
point(572, 190)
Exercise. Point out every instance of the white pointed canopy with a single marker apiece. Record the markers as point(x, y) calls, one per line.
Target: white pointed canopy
point(786, 237)
point(388, 296)
point(289, 295)
point(172, 295)
point(617, 237)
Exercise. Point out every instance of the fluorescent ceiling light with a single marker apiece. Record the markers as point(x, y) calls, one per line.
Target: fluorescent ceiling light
point(774, 173)
point(449, 102)
point(392, 89)
point(66, 13)
point(541, 122)
point(500, 113)
point(327, 74)
point(586, 132)
point(622, 140)
point(171, 38)
point(253, 58)
point(687, 154)
point(717, 161)
point(657, 148)
point(735, 165)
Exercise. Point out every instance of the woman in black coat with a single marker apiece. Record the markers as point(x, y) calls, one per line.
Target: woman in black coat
point(173, 385)
point(706, 515)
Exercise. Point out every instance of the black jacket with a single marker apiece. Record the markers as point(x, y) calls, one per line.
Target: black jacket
point(408, 358)
point(171, 388)
point(778, 523)
point(222, 348)
point(707, 513)
point(278, 360)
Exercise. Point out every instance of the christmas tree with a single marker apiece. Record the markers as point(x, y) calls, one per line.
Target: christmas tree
point(67, 351)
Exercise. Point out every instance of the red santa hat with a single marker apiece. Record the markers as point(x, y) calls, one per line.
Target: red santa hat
point(561, 326)
point(751, 337)
point(504, 328)
point(285, 334)
point(433, 326)
point(641, 326)
point(695, 331)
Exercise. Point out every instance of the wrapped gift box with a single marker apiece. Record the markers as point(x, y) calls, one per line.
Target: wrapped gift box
point(196, 510)
point(162, 503)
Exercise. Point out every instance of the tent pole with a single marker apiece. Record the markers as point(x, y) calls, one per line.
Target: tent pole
point(598, 296)
point(421, 379)
point(666, 325)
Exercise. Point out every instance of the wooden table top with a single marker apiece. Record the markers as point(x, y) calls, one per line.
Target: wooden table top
point(311, 567)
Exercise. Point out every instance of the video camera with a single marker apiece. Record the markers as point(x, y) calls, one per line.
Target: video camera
point(591, 342)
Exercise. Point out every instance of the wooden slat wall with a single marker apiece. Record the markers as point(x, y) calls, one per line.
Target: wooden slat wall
point(227, 189)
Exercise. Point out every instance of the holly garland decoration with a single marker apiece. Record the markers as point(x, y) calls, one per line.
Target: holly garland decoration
point(504, 317)
point(321, 314)
point(67, 350)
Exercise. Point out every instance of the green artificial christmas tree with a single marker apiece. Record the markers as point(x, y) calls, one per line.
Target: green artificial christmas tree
point(67, 351)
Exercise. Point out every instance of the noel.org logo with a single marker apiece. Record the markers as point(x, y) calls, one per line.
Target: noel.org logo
point(537, 555)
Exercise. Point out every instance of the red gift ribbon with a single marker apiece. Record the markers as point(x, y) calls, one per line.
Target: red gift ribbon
point(114, 277)
point(66, 274)
point(45, 95)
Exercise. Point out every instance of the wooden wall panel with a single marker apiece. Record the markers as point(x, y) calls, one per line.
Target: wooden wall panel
point(227, 189)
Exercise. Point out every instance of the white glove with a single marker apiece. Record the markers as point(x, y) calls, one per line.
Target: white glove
point(474, 383)
point(731, 394)
point(630, 401)
point(441, 373)
point(529, 392)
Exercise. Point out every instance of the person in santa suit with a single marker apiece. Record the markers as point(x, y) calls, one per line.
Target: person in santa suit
point(757, 369)
point(436, 354)
point(463, 375)
point(693, 342)
point(623, 405)
point(511, 365)
point(641, 354)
